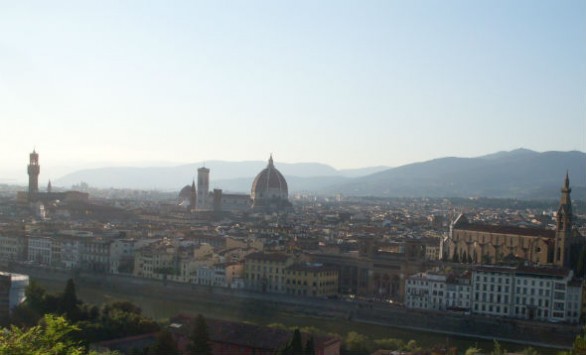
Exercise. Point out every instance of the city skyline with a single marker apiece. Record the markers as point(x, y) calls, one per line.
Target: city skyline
point(348, 85)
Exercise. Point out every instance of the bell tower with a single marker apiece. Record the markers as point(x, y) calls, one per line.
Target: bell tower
point(33, 175)
point(203, 188)
point(564, 223)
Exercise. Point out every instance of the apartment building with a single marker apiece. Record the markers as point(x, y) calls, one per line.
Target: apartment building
point(266, 271)
point(524, 292)
point(315, 280)
point(437, 291)
point(12, 247)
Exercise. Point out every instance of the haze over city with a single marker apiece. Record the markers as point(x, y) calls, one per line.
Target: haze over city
point(346, 84)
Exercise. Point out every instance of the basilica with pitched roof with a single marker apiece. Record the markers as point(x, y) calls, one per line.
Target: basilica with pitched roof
point(496, 244)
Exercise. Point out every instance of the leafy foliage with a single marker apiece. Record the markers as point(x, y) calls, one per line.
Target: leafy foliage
point(357, 343)
point(579, 346)
point(497, 349)
point(52, 336)
point(278, 326)
point(117, 320)
point(92, 324)
point(473, 350)
point(390, 344)
point(529, 351)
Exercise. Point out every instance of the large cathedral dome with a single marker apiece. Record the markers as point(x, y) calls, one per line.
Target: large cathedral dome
point(269, 189)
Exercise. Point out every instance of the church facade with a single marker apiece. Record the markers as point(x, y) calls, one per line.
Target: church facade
point(494, 244)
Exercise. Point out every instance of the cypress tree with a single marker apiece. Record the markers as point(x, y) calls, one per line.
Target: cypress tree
point(199, 338)
point(296, 343)
point(310, 347)
point(68, 303)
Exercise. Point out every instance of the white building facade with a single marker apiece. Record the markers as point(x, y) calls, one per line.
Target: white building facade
point(534, 293)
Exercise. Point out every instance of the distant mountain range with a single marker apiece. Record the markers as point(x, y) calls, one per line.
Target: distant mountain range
point(520, 173)
point(229, 176)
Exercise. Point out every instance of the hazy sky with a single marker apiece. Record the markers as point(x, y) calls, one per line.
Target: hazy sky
point(347, 83)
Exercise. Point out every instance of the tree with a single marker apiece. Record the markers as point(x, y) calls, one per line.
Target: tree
point(497, 349)
point(278, 326)
point(165, 344)
point(199, 339)
point(309, 347)
point(579, 346)
point(357, 343)
point(51, 336)
point(35, 297)
point(529, 351)
point(473, 350)
point(115, 320)
point(390, 343)
point(68, 302)
point(412, 346)
point(296, 343)
point(37, 303)
point(293, 346)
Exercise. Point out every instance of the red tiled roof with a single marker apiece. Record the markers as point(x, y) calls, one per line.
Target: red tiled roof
point(526, 270)
point(511, 230)
point(311, 268)
point(243, 334)
point(547, 271)
point(267, 256)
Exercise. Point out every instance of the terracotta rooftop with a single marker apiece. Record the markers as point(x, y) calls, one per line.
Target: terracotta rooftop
point(243, 334)
point(546, 271)
point(268, 256)
point(510, 230)
point(311, 268)
point(526, 270)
